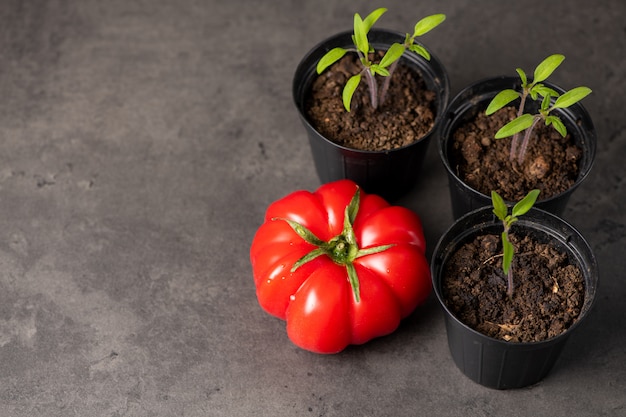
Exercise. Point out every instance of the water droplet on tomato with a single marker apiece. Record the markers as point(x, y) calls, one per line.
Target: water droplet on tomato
point(292, 297)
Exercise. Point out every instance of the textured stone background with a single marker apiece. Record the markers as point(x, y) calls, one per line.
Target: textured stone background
point(140, 143)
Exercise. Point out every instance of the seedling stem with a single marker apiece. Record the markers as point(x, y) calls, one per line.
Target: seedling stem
point(500, 209)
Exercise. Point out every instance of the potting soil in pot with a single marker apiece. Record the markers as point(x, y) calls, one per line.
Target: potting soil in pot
point(548, 290)
point(551, 163)
point(406, 115)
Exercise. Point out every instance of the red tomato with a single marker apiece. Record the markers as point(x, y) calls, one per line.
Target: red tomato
point(339, 265)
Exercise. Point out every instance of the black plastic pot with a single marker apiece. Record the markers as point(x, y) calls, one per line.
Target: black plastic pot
point(475, 98)
point(387, 173)
point(496, 363)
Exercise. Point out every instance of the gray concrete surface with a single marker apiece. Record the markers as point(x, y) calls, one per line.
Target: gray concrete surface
point(140, 143)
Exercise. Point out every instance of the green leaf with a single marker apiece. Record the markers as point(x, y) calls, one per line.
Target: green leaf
point(507, 252)
point(330, 58)
point(559, 126)
point(533, 94)
point(522, 76)
point(371, 18)
point(360, 35)
point(349, 89)
point(545, 103)
point(525, 203)
point(377, 69)
point(547, 67)
point(515, 126)
point(499, 206)
point(420, 50)
point(427, 24)
point(572, 96)
point(501, 99)
point(542, 90)
point(394, 52)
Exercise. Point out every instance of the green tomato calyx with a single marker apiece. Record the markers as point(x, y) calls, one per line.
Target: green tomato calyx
point(342, 249)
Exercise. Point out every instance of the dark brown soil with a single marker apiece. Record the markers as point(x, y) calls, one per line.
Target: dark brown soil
point(548, 291)
point(551, 163)
point(406, 115)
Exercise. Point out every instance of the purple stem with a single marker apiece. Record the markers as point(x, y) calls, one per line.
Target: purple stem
point(514, 145)
point(387, 81)
point(371, 80)
point(522, 151)
point(515, 140)
point(373, 87)
point(509, 290)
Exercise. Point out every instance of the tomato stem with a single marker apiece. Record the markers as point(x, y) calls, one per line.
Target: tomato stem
point(342, 249)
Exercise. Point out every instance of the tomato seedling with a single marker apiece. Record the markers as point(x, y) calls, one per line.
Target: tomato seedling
point(535, 88)
point(501, 211)
point(388, 63)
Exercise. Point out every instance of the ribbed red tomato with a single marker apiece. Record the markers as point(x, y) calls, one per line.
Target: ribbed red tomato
point(339, 265)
